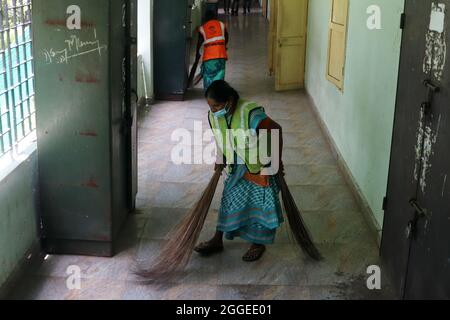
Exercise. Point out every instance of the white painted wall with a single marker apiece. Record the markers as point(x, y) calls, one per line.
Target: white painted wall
point(145, 46)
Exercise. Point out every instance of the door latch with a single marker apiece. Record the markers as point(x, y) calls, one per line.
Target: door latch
point(419, 213)
point(431, 90)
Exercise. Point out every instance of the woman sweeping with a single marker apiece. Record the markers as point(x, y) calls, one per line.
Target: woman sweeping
point(211, 50)
point(250, 207)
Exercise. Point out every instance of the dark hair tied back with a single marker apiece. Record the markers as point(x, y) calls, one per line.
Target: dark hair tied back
point(220, 91)
point(210, 15)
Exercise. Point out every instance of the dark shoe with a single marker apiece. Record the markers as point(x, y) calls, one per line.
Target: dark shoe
point(207, 249)
point(254, 253)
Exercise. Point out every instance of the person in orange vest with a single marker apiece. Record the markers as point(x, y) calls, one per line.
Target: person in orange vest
point(211, 50)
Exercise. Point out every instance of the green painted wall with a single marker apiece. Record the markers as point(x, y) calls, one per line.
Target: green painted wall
point(18, 212)
point(360, 119)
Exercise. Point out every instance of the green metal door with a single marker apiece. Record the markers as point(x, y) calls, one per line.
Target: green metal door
point(80, 69)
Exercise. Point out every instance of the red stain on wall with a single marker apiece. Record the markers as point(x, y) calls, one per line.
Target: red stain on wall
point(91, 184)
point(88, 134)
point(52, 22)
point(62, 23)
point(89, 78)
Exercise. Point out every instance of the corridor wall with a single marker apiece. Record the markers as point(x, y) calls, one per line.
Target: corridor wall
point(359, 119)
point(18, 214)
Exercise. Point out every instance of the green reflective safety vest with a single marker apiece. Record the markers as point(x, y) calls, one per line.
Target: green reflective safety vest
point(239, 138)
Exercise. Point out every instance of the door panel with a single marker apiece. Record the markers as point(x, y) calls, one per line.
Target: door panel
point(337, 49)
point(337, 42)
point(429, 271)
point(272, 36)
point(171, 48)
point(131, 98)
point(339, 12)
point(82, 147)
point(418, 264)
point(291, 44)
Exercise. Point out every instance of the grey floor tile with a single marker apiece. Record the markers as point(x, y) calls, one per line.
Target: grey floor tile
point(324, 198)
point(116, 268)
point(280, 265)
point(313, 175)
point(56, 288)
point(261, 292)
point(307, 155)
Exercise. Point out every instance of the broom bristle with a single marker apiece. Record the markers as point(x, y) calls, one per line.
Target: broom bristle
point(296, 222)
point(175, 255)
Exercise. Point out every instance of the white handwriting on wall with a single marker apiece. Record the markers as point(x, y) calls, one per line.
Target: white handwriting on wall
point(74, 47)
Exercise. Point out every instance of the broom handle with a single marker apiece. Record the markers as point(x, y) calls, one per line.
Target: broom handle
point(192, 73)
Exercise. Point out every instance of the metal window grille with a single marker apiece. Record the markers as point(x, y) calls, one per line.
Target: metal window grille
point(17, 108)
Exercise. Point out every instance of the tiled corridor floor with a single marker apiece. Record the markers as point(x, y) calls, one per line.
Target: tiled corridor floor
point(166, 191)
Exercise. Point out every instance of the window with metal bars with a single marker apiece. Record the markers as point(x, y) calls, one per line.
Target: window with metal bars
point(17, 108)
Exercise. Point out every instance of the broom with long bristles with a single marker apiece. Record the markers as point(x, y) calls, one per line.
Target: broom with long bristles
point(175, 255)
point(296, 223)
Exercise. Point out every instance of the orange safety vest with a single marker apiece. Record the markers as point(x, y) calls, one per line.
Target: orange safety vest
point(213, 33)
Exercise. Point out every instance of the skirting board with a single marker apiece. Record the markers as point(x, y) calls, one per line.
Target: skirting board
point(355, 189)
point(33, 255)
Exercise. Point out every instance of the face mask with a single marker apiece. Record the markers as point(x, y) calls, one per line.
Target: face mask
point(221, 113)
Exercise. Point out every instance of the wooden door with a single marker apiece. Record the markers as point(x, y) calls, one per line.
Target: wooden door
point(337, 42)
point(290, 45)
point(272, 36)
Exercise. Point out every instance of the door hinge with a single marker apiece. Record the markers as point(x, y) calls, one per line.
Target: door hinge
point(402, 21)
point(384, 203)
